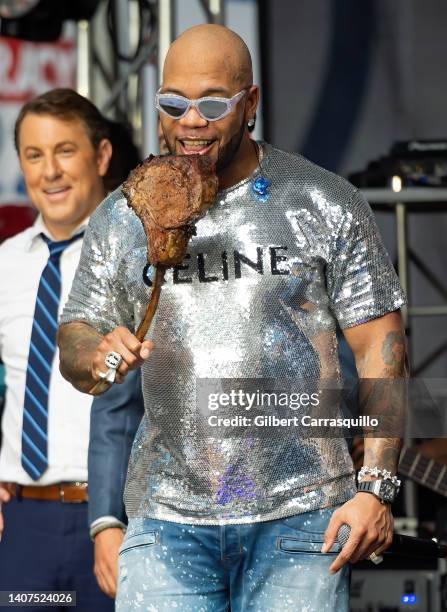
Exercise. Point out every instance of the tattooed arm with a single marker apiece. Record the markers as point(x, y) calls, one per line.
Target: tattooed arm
point(83, 351)
point(77, 345)
point(380, 355)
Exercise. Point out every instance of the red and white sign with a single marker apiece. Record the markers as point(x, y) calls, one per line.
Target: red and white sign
point(26, 69)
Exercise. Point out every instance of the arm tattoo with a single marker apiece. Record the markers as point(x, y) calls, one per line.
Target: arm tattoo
point(77, 344)
point(382, 452)
point(393, 354)
point(384, 396)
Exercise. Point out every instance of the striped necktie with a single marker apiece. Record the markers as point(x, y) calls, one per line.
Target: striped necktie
point(40, 359)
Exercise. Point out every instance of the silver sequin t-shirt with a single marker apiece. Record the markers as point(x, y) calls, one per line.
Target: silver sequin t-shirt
point(258, 296)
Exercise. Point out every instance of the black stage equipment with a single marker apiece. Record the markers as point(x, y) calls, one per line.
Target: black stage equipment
point(41, 20)
point(418, 163)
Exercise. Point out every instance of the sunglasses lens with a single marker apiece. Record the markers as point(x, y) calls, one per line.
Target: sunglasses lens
point(175, 107)
point(212, 109)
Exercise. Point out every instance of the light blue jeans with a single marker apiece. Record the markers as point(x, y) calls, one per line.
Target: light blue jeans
point(273, 566)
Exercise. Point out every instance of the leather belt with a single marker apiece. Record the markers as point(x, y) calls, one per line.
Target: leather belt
point(65, 492)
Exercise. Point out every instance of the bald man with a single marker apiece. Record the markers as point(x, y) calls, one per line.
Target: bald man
point(228, 509)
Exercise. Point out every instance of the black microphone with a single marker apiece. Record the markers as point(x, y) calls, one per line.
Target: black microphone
point(402, 545)
point(417, 547)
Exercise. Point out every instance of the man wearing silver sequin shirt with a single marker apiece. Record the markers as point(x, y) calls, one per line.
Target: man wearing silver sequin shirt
point(229, 519)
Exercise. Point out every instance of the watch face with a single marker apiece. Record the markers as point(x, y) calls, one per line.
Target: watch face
point(387, 490)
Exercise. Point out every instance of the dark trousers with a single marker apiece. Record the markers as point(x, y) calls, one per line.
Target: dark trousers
point(46, 546)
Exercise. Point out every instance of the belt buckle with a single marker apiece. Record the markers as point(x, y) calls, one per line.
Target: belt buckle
point(78, 484)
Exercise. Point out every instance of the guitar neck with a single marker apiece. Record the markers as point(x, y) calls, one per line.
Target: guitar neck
point(423, 470)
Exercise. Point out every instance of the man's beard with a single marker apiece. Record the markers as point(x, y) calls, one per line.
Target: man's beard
point(227, 153)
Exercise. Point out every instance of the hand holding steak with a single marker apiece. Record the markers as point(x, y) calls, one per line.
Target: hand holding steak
point(169, 194)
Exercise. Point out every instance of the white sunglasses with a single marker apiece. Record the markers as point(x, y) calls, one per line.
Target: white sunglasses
point(209, 108)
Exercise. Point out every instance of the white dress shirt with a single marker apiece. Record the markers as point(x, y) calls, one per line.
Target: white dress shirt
point(22, 260)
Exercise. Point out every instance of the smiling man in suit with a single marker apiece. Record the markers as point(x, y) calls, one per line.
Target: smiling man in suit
point(64, 150)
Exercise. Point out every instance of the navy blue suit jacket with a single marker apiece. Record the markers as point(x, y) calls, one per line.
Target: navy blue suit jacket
point(114, 420)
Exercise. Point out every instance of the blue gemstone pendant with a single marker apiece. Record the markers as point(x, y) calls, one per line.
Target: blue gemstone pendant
point(260, 188)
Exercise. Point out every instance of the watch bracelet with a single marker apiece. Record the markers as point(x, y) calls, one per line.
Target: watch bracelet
point(378, 473)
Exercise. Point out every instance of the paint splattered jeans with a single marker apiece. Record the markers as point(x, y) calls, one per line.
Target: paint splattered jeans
point(273, 566)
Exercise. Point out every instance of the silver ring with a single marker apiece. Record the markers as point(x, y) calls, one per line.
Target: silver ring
point(113, 360)
point(376, 559)
point(109, 376)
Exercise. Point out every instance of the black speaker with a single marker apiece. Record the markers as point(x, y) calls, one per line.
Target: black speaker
point(42, 22)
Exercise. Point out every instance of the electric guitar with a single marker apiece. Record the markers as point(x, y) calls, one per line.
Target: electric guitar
point(423, 470)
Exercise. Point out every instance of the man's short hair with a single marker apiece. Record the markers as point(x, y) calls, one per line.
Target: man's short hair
point(66, 104)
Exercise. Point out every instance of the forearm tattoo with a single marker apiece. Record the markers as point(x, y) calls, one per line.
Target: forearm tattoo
point(77, 345)
point(382, 452)
point(385, 396)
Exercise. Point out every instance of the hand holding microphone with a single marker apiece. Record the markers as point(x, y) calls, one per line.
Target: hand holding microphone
point(366, 530)
point(403, 545)
point(343, 536)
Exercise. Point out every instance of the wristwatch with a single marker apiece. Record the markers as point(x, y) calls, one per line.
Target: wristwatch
point(385, 490)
